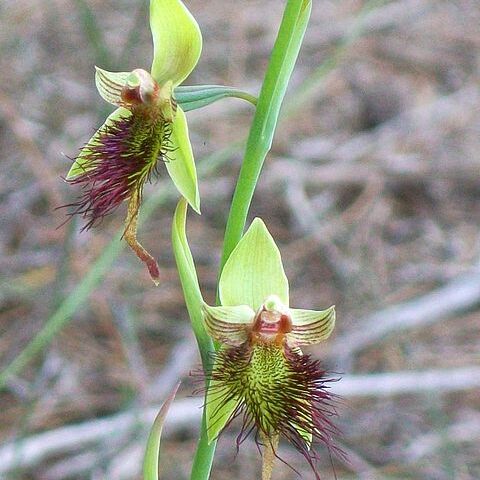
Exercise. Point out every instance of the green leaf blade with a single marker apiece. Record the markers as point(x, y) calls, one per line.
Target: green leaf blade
point(199, 96)
point(189, 280)
point(152, 451)
point(202, 462)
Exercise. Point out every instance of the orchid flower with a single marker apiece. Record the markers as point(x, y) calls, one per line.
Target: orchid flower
point(260, 371)
point(147, 128)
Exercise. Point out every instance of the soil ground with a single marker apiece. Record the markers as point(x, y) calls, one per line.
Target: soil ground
point(372, 190)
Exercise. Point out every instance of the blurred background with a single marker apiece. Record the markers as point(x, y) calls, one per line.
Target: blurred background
point(372, 191)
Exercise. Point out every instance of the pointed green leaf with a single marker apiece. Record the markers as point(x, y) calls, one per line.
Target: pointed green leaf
point(181, 166)
point(77, 167)
point(198, 96)
point(311, 326)
point(219, 408)
point(228, 324)
point(189, 281)
point(110, 84)
point(177, 41)
point(254, 270)
point(152, 452)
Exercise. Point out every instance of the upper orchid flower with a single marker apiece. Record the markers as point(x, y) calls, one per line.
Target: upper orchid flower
point(260, 371)
point(148, 127)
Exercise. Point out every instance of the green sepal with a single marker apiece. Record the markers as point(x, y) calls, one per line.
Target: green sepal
point(254, 270)
point(199, 96)
point(311, 326)
point(177, 41)
point(152, 451)
point(180, 163)
point(77, 167)
point(218, 408)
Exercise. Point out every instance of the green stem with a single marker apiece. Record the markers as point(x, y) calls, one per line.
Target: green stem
point(279, 70)
point(203, 460)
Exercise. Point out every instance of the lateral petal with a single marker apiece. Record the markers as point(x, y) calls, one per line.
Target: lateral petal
point(228, 324)
point(110, 84)
point(311, 326)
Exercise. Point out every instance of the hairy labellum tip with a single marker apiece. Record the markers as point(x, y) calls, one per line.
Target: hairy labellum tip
point(280, 392)
point(117, 162)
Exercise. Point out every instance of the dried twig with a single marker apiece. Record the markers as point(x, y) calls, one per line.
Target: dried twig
point(73, 438)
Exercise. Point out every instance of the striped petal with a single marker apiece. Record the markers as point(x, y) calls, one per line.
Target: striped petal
point(228, 324)
point(311, 326)
point(110, 84)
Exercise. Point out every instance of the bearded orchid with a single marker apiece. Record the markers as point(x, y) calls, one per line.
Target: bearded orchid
point(147, 128)
point(260, 371)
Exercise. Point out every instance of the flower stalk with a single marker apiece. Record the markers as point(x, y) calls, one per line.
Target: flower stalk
point(280, 67)
point(277, 76)
point(268, 458)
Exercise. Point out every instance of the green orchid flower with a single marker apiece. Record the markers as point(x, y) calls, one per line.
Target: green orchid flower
point(260, 371)
point(146, 129)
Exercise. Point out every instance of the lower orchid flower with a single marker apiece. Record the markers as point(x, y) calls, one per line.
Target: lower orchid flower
point(260, 371)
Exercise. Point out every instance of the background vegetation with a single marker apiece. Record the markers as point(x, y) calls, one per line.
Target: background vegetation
point(372, 191)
